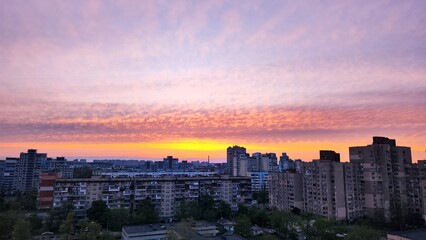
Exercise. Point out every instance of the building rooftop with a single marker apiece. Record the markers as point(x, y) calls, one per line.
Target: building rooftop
point(199, 230)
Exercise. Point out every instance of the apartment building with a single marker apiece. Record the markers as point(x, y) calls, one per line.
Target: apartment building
point(354, 190)
point(286, 190)
point(378, 177)
point(29, 169)
point(237, 160)
point(8, 183)
point(324, 189)
point(165, 192)
point(385, 167)
point(46, 190)
point(259, 181)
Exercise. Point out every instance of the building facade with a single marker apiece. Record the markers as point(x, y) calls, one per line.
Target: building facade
point(237, 160)
point(165, 192)
point(286, 190)
point(384, 167)
point(29, 169)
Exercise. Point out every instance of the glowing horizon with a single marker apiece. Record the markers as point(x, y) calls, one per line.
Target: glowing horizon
point(147, 79)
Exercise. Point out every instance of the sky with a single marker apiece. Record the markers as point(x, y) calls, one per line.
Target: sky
point(147, 79)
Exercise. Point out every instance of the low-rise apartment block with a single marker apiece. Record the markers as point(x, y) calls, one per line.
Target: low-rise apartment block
point(165, 192)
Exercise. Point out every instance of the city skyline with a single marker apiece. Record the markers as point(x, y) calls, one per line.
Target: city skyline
point(138, 80)
point(323, 154)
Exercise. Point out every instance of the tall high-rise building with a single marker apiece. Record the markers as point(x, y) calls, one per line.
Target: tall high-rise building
point(170, 163)
point(9, 176)
point(384, 173)
point(29, 170)
point(237, 160)
point(266, 162)
point(286, 190)
point(324, 189)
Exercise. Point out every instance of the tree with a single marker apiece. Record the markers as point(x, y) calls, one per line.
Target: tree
point(27, 200)
point(263, 196)
point(306, 224)
point(296, 211)
point(57, 216)
point(242, 209)
point(36, 223)
point(7, 222)
point(259, 216)
point(324, 229)
point(22, 230)
point(284, 223)
point(267, 237)
point(89, 230)
point(243, 226)
point(184, 210)
point(146, 213)
point(118, 218)
point(397, 215)
point(415, 220)
point(206, 205)
point(362, 233)
point(107, 236)
point(99, 212)
point(3, 204)
point(194, 210)
point(224, 210)
point(67, 227)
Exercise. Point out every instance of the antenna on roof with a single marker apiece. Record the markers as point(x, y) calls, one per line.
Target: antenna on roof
point(208, 159)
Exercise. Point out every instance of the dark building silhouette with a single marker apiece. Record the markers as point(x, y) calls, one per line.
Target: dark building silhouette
point(329, 155)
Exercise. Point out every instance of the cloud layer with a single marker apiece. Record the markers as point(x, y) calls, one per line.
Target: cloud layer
point(267, 73)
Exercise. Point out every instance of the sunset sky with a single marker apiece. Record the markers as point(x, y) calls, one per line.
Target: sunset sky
point(147, 79)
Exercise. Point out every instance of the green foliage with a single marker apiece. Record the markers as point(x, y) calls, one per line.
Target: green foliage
point(107, 236)
point(224, 210)
point(242, 209)
point(36, 223)
point(262, 197)
point(284, 223)
point(146, 213)
point(89, 230)
point(306, 224)
point(243, 226)
point(67, 227)
point(296, 211)
point(325, 229)
point(57, 216)
point(266, 237)
point(82, 172)
point(402, 218)
point(259, 216)
point(415, 220)
point(206, 206)
point(118, 218)
point(99, 212)
point(22, 230)
point(27, 201)
point(3, 204)
point(184, 210)
point(7, 221)
point(362, 233)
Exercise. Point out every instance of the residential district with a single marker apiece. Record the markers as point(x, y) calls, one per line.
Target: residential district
point(379, 193)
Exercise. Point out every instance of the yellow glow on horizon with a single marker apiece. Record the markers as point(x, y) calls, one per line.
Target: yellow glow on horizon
point(184, 149)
